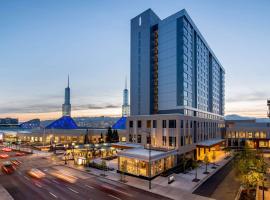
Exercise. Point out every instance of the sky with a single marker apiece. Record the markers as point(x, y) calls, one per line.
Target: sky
point(41, 42)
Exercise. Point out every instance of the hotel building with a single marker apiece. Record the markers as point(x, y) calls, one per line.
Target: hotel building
point(177, 93)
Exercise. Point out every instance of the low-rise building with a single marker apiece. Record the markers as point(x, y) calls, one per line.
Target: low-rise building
point(254, 133)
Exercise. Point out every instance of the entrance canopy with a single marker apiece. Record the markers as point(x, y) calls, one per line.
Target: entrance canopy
point(210, 143)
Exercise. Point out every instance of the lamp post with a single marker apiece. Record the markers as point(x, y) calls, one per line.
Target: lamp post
point(149, 163)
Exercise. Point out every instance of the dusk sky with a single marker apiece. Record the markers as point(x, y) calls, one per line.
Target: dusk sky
point(41, 42)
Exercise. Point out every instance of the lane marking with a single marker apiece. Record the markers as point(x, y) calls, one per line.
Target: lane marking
point(114, 197)
point(26, 178)
point(19, 172)
point(38, 185)
point(55, 182)
point(53, 195)
point(73, 190)
point(89, 186)
point(117, 190)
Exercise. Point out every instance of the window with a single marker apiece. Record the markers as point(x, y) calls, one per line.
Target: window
point(139, 139)
point(148, 139)
point(139, 124)
point(164, 140)
point(164, 125)
point(182, 124)
point(130, 124)
point(172, 123)
point(130, 138)
point(182, 141)
point(172, 141)
point(140, 21)
point(154, 123)
point(148, 123)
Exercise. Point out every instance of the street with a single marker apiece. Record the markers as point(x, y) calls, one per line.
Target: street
point(22, 187)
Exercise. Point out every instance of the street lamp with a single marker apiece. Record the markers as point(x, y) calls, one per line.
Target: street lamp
point(149, 163)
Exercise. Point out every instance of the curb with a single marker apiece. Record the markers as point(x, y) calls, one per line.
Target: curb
point(210, 175)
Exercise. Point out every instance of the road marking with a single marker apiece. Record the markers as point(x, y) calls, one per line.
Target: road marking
point(53, 195)
point(38, 185)
point(89, 186)
point(114, 197)
point(55, 181)
point(73, 190)
point(26, 178)
point(19, 172)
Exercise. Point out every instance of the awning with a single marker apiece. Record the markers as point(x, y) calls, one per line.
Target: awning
point(210, 143)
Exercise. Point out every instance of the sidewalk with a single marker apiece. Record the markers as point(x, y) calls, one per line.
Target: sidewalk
point(159, 184)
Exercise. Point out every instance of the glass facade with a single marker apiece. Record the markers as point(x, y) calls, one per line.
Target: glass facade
point(141, 168)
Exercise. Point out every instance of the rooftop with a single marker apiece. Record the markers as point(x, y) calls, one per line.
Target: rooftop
point(143, 154)
point(209, 143)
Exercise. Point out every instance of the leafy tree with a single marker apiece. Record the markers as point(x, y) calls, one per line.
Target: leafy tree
point(195, 166)
point(206, 162)
point(214, 157)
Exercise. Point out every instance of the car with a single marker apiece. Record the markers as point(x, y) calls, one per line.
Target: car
point(7, 168)
point(36, 173)
point(19, 154)
point(6, 149)
point(15, 162)
point(3, 156)
point(64, 177)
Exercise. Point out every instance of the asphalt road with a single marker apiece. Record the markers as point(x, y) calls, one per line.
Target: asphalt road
point(222, 185)
point(90, 187)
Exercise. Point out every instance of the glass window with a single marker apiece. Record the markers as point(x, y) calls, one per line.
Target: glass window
point(139, 124)
point(139, 139)
point(130, 124)
point(148, 124)
point(164, 124)
point(172, 123)
point(154, 123)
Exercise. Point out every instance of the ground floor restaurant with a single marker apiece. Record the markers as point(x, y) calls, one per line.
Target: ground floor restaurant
point(138, 161)
point(213, 149)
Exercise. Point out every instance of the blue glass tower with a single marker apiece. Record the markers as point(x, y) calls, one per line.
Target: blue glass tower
point(173, 69)
point(66, 107)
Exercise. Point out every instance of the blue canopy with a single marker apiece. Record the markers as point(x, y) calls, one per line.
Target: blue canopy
point(120, 124)
point(65, 122)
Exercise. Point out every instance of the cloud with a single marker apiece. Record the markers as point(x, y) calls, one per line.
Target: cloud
point(45, 108)
point(249, 96)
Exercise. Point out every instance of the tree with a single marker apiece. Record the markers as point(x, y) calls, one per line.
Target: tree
point(214, 157)
point(206, 162)
point(115, 136)
point(250, 169)
point(109, 136)
point(103, 166)
point(227, 151)
point(101, 139)
point(195, 166)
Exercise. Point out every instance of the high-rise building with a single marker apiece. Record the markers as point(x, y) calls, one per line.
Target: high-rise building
point(125, 106)
point(173, 69)
point(177, 93)
point(66, 107)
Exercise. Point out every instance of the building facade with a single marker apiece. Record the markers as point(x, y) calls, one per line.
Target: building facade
point(173, 69)
point(177, 93)
point(253, 133)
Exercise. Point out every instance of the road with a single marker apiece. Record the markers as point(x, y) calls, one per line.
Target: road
point(90, 187)
point(221, 186)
